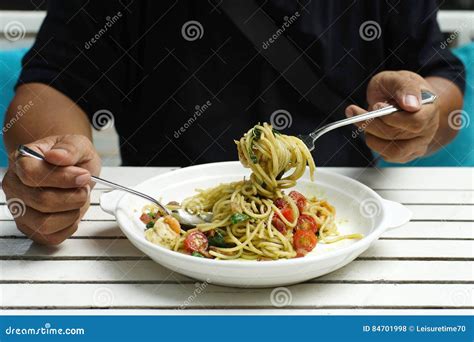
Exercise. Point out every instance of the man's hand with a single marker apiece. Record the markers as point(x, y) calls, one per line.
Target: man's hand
point(402, 136)
point(56, 193)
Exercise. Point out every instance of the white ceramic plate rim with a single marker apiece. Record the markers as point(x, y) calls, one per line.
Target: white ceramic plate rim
point(124, 223)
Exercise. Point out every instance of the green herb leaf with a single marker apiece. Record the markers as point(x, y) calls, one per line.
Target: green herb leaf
point(197, 254)
point(239, 217)
point(217, 239)
point(256, 134)
point(151, 215)
point(150, 224)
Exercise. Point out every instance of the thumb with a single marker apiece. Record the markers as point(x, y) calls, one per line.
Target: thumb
point(405, 90)
point(69, 150)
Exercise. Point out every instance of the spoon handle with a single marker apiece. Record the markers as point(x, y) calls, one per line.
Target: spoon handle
point(26, 151)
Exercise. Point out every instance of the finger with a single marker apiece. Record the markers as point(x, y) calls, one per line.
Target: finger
point(69, 150)
point(50, 223)
point(404, 87)
point(397, 151)
point(50, 239)
point(381, 130)
point(37, 173)
point(376, 126)
point(46, 200)
point(412, 122)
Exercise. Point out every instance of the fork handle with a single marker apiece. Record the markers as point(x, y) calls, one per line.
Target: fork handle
point(426, 97)
point(25, 151)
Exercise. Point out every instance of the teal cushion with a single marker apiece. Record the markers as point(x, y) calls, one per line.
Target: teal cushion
point(460, 151)
point(10, 66)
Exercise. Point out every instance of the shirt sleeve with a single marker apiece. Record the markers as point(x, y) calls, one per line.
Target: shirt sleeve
point(414, 42)
point(78, 52)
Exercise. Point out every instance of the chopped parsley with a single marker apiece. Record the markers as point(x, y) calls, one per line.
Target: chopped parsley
point(238, 217)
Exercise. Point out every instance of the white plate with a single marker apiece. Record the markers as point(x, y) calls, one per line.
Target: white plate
point(358, 210)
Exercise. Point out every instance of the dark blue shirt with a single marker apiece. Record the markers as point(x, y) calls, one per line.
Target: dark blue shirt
point(181, 96)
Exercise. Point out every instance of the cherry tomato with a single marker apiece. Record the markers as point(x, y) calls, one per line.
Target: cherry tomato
point(287, 213)
point(304, 241)
point(145, 218)
point(299, 199)
point(306, 222)
point(278, 224)
point(280, 203)
point(196, 242)
point(285, 209)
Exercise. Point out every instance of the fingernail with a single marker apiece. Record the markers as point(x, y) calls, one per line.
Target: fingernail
point(379, 105)
point(411, 100)
point(60, 151)
point(83, 179)
point(349, 112)
point(88, 189)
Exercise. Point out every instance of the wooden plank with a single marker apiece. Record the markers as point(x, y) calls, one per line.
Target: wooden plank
point(124, 175)
point(432, 197)
point(432, 230)
point(412, 230)
point(149, 271)
point(89, 229)
point(105, 248)
point(420, 212)
point(203, 295)
point(412, 178)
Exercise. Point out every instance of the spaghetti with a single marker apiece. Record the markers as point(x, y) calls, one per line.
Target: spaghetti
point(253, 219)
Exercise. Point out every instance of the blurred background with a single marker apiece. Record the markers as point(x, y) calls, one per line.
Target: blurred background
point(456, 19)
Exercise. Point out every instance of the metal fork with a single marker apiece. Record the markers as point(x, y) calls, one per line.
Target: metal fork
point(309, 139)
point(181, 215)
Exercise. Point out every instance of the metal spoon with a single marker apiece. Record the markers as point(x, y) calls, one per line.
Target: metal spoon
point(184, 218)
point(309, 139)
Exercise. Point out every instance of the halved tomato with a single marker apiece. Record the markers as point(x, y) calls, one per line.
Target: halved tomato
point(299, 199)
point(196, 242)
point(285, 209)
point(304, 241)
point(278, 224)
point(306, 222)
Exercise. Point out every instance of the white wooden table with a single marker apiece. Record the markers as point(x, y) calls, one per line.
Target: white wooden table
point(425, 267)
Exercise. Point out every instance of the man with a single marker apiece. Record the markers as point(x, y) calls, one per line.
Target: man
point(180, 95)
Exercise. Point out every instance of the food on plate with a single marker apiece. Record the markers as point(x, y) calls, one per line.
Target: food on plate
point(255, 218)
